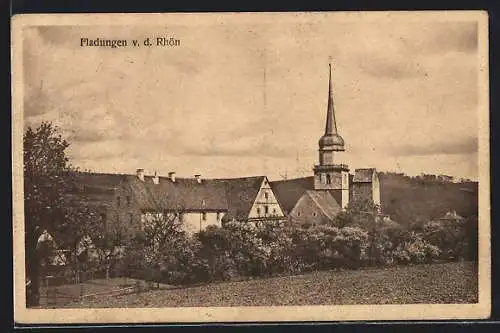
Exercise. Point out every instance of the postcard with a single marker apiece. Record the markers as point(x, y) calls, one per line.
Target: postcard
point(250, 167)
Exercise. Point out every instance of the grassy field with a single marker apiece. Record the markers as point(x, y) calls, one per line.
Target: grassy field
point(436, 283)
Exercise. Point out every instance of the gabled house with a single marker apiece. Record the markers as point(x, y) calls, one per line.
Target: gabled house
point(131, 200)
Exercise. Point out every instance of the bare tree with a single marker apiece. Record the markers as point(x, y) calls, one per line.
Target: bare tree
point(161, 230)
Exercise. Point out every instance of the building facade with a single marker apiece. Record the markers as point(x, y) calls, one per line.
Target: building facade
point(127, 202)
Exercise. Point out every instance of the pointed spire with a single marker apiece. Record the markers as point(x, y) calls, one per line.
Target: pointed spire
point(331, 124)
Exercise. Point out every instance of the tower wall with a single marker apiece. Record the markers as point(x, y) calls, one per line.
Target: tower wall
point(325, 157)
point(345, 190)
point(362, 191)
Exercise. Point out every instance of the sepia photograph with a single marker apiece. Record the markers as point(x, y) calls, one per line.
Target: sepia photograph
point(242, 167)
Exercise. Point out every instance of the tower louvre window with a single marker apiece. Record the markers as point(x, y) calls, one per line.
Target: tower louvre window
point(204, 216)
point(328, 180)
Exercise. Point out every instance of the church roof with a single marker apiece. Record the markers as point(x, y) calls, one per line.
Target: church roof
point(363, 175)
point(328, 205)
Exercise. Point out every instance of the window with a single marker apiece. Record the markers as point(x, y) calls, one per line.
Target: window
point(266, 210)
point(128, 200)
point(298, 213)
point(274, 211)
point(204, 216)
point(118, 201)
point(314, 214)
point(328, 180)
point(266, 195)
point(258, 211)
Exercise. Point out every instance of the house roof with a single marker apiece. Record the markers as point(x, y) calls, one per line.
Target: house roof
point(93, 188)
point(234, 195)
point(183, 194)
point(289, 191)
point(323, 199)
point(363, 175)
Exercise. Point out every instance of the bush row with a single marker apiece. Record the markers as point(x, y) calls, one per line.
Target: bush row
point(243, 249)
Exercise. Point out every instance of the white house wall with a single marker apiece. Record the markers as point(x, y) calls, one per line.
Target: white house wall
point(191, 221)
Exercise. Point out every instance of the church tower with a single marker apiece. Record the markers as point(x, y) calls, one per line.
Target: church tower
point(329, 176)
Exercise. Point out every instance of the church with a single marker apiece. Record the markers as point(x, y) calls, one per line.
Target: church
point(319, 198)
point(133, 199)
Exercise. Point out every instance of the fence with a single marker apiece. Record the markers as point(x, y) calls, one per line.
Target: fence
point(53, 293)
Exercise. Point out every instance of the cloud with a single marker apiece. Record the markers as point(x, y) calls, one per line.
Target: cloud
point(465, 146)
point(403, 53)
point(458, 37)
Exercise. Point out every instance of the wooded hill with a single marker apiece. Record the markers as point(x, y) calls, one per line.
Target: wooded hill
point(410, 200)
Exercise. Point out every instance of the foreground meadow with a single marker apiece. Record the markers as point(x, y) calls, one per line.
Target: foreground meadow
point(434, 283)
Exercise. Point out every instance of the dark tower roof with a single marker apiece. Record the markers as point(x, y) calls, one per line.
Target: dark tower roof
point(331, 140)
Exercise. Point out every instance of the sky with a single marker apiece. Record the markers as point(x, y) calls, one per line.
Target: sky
point(244, 99)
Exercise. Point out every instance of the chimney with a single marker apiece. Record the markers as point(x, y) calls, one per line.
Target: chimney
point(156, 178)
point(171, 175)
point(198, 178)
point(140, 174)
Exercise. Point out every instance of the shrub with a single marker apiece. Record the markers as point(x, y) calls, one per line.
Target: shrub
point(415, 250)
point(451, 236)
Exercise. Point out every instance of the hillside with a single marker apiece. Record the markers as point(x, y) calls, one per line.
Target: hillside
point(409, 198)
